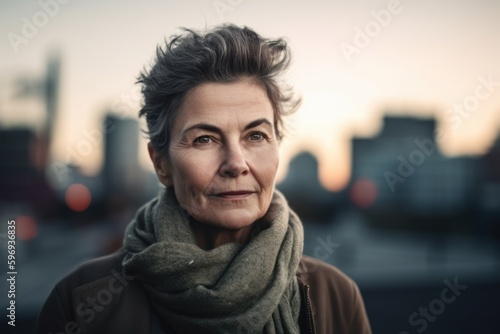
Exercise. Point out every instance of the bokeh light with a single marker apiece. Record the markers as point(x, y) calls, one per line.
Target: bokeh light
point(78, 197)
point(26, 228)
point(364, 193)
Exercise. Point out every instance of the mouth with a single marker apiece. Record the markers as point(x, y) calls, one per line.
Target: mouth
point(240, 194)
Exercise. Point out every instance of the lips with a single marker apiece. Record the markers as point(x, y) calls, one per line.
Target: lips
point(235, 194)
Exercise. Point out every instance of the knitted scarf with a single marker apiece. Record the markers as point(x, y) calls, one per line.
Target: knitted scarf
point(229, 289)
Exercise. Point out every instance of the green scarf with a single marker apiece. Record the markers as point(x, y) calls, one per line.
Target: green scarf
point(229, 289)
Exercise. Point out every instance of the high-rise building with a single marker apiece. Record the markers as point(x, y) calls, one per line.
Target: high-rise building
point(121, 170)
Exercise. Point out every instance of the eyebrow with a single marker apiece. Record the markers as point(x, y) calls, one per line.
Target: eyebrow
point(258, 122)
point(213, 128)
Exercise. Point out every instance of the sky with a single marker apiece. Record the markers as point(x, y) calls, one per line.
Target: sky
point(353, 62)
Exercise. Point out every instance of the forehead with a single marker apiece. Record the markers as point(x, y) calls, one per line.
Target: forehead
point(211, 102)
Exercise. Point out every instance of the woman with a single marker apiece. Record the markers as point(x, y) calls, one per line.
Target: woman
point(219, 250)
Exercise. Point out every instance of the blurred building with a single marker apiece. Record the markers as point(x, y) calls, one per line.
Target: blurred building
point(304, 192)
point(408, 180)
point(22, 178)
point(24, 151)
point(490, 190)
point(121, 170)
point(125, 181)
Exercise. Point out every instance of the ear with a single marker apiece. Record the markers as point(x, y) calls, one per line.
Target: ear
point(161, 165)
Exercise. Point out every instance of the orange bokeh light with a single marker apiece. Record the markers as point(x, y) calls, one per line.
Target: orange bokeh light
point(364, 193)
point(26, 228)
point(78, 197)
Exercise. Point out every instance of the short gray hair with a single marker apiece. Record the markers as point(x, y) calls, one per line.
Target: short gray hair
point(226, 53)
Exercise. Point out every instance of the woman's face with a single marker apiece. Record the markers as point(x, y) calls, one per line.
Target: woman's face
point(223, 154)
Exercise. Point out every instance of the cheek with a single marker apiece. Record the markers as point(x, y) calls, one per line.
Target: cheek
point(191, 172)
point(265, 166)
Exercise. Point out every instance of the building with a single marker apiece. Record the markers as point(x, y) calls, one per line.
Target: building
point(413, 182)
point(124, 180)
point(304, 192)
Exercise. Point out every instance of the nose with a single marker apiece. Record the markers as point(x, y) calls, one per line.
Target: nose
point(234, 163)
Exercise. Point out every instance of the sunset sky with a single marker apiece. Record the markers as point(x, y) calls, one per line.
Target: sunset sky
point(353, 60)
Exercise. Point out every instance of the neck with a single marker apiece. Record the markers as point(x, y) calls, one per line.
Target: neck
point(209, 237)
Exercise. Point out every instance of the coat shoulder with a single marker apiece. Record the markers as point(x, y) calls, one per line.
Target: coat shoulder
point(316, 272)
point(95, 269)
point(336, 301)
point(95, 292)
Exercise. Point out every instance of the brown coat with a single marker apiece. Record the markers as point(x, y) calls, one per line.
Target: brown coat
point(99, 298)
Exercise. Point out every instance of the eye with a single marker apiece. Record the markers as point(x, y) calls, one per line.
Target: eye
point(256, 136)
point(203, 140)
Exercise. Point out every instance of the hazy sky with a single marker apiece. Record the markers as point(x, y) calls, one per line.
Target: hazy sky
point(424, 58)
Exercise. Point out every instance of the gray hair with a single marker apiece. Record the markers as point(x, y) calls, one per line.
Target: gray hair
point(226, 53)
